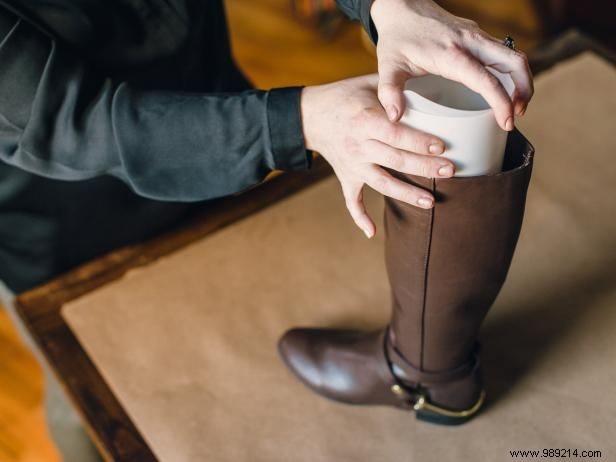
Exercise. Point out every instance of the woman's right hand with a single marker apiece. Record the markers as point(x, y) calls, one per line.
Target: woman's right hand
point(346, 124)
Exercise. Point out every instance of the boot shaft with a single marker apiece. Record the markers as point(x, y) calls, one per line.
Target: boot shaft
point(447, 265)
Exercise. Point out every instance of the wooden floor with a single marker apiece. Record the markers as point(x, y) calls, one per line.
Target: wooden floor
point(273, 50)
point(23, 434)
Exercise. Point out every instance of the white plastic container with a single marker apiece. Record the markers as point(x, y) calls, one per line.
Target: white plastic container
point(461, 118)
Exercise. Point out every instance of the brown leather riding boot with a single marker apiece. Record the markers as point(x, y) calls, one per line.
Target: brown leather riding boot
point(445, 266)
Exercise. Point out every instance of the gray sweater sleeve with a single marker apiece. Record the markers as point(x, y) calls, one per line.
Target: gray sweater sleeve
point(359, 10)
point(64, 119)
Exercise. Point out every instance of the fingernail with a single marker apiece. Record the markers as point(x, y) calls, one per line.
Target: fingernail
point(368, 234)
point(436, 148)
point(445, 170)
point(523, 110)
point(509, 124)
point(425, 202)
point(392, 113)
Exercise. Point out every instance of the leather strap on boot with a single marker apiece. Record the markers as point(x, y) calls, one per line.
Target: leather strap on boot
point(416, 396)
point(412, 374)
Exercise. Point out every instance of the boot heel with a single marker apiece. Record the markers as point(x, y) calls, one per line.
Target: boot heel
point(439, 419)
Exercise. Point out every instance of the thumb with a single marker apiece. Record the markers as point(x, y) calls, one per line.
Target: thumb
point(391, 84)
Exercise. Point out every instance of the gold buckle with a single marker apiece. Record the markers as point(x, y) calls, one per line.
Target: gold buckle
point(422, 403)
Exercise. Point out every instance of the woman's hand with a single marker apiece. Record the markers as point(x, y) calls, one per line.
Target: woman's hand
point(418, 37)
point(347, 125)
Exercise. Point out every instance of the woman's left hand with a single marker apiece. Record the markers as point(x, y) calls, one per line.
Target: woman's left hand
point(417, 37)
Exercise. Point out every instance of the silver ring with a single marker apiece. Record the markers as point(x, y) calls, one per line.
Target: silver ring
point(509, 42)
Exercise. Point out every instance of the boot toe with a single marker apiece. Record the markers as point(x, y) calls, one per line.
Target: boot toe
point(295, 349)
point(343, 365)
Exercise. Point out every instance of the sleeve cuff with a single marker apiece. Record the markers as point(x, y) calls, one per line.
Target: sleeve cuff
point(285, 129)
point(366, 19)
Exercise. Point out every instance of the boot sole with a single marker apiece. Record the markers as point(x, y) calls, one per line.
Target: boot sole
point(438, 419)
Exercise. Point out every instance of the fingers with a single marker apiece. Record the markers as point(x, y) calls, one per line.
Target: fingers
point(493, 53)
point(468, 70)
point(408, 162)
point(381, 181)
point(354, 199)
point(391, 85)
point(406, 138)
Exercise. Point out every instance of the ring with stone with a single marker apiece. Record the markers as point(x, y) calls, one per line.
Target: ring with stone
point(509, 42)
